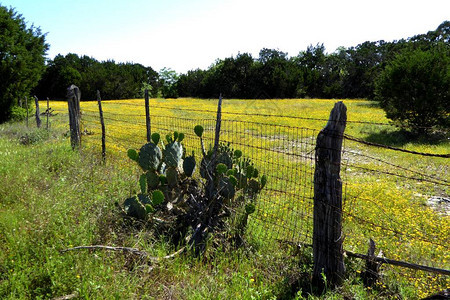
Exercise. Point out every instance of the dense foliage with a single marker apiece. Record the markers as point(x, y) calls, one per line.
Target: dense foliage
point(114, 80)
point(346, 73)
point(22, 52)
point(414, 88)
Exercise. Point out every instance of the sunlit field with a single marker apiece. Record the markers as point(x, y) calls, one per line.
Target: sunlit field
point(385, 192)
point(390, 209)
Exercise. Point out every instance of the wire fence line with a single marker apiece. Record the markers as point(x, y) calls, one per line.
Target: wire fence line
point(287, 155)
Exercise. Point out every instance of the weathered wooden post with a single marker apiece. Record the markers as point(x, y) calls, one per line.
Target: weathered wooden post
point(147, 116)
point(48, 110)
point(102, 122)
point(73, 100)
point(38, 113)
point(372, 272)
point(327, 235)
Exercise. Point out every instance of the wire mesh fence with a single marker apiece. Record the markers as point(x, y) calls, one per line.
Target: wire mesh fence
point(398, 199)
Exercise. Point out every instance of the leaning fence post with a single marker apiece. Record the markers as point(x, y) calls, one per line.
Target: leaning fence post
point(38, 113)
point(147, 116)
point(102, 122)
point(327, 235)
point(73, 100)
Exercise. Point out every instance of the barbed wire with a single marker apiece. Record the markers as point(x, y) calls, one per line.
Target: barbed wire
point(355, 139)
point(394, 165)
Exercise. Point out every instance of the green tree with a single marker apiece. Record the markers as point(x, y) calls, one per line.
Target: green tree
point(22, 59)
point(414, 88)
point(168, 82)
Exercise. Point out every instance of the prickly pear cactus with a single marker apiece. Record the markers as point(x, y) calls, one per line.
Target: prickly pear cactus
point(198, 130)
point(157, 197)
point(224, 158)
point(172, 176)
point(134, 208)
point(152, 180)
point(133, 154)
point(150, 157)
point(155, 138)
point(189, 165)
point(173, 154)
point(226, 188)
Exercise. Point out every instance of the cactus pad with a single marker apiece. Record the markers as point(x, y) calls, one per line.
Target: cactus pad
point(133, 154)
point(134, 208)
point(157, 197)
point(198, 130)
point(173, 154)
point(155, 138)
point(150, 157)
point(189, 165)
point(152, 180)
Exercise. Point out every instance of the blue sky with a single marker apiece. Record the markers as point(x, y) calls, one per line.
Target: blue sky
point(185, 35)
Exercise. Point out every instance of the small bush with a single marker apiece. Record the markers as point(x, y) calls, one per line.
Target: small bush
point(19, 113)
point(34, 137)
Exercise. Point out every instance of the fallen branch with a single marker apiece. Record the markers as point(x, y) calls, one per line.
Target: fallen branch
point(67, 297)
point(133, 251)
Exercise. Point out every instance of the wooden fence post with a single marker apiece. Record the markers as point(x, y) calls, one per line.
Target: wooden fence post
point(147, 116)
point(73, 100)
point(38, 113)
point(102, 122)
point(48, 110)
point(327, 235)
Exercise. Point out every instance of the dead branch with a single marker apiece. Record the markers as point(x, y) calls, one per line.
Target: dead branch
point(133, 251)
point(67, 297)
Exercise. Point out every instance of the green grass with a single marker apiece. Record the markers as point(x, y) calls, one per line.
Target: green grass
point(52, 198)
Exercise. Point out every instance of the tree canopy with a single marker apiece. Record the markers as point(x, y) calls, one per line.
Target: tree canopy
point(22, 59)
point(345, 73)
point(414, 88)
point(113, 80)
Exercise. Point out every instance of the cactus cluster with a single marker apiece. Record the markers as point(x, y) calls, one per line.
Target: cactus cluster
point(169, 189)
point(163, 171)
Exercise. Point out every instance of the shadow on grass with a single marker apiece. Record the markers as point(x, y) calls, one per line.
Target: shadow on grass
point(399, 138)
point(373, 104)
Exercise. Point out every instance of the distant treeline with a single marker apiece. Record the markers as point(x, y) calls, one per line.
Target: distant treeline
point(346, 73)
point(115, 81)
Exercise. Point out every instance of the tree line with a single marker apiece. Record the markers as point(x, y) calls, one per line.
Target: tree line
point(346, 73)
point(314, 73)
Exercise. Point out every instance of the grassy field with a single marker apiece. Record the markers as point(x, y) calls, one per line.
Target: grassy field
point(52, 198)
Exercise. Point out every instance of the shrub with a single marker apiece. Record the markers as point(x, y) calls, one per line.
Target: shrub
point(414, 88)
point(19, 113)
